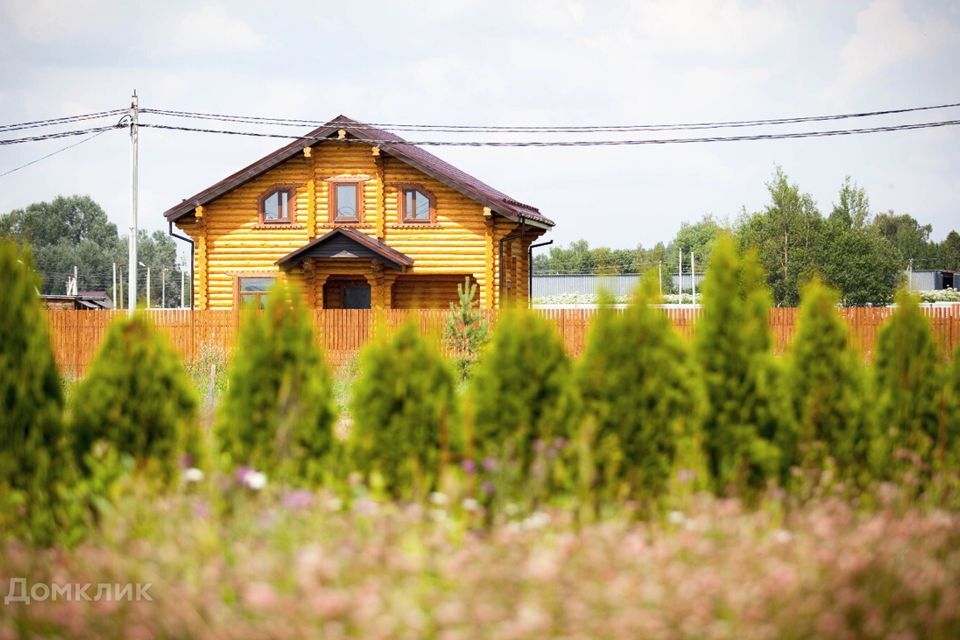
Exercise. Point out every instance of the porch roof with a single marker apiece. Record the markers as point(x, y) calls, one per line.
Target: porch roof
point(345, 242)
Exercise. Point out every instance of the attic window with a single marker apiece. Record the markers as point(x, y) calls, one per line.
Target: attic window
point(276, 206)
point(417, 205)
point(345, 201)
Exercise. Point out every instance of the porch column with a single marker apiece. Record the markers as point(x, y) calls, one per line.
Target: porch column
point(319, 279)
point(381, 284)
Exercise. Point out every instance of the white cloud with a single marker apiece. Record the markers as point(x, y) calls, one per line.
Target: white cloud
point(210, 29)
point(51, 21)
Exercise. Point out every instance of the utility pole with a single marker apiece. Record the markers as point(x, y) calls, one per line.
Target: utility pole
point(163, 287)
point(693, 275)
point(660, 276)
point(115, 299)
point(134, 199)
point(120, 306)
point(148, 286)
point(680, 276)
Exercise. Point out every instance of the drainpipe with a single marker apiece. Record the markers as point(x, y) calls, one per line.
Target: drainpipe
point(530, 269)
point(192, 247)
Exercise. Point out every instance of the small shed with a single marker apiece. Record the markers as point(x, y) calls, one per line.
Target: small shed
point(931, 279)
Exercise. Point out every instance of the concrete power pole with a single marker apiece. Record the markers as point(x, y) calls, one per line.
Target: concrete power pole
point(134, 200)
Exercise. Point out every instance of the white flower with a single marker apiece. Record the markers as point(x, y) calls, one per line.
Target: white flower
point(675, 517)
point(193, 475)
point(536, 520)
point(470, 504)
point(334, 504)
point(437, 498)
point(256, 480)
point(782, 536)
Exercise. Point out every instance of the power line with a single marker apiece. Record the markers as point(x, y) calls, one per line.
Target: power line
point(543, 128)
point(63, 120)
point(573, 143)
point(69, 146)
point(59, 134)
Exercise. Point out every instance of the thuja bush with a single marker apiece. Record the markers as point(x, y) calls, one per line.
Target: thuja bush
point(136, 400)
point(639, 397)
point(826, 384)
point(907, 385)
point(278, 410)
point(748, 433)
point(404, 408)
point(520, 392)
point(35, 466)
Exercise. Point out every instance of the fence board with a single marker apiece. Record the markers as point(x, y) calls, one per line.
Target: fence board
point(341, 333)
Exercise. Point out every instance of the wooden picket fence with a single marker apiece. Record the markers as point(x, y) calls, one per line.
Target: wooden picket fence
point(341, 333)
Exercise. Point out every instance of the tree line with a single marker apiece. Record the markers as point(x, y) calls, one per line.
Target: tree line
point(861, 254)
point(73, 232)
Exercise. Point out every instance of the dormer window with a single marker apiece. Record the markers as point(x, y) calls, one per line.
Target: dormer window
point(417, 206)
point(346, 201)
point(276, 206)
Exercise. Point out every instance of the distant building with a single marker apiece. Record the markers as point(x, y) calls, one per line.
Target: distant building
point(83, 301)
point(931, 279)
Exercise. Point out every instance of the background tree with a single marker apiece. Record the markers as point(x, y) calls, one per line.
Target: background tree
point(404, 410)
point(696, 238)
point(278, 411)
point(466, 330)
point(137, 397)
point(74, 231)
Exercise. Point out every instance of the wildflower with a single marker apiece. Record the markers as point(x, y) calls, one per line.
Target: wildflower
point(438, 498)
point(675, 517)
point(192, 475)
point(469, 504)
point(334, 504)
point(489, 464)
point(782, 536)
point(297, 499)
point(536, 520)
point(469, 466)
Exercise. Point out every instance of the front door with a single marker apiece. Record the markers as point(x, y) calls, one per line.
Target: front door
point(356, 296)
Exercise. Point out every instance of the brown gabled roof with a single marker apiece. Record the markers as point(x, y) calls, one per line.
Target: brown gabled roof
point(393, 145)
point(375, 248)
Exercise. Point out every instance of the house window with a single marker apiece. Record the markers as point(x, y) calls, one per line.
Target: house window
point(253, 290)
point(417, 205)
point(345, 201)
point(276, 206)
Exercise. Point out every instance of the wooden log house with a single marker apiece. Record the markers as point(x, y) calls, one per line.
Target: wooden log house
point(359, 219)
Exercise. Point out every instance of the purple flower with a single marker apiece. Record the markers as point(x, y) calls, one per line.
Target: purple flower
point(240, 475)
point(469, 465)
point(186, 461)
point(297, 499)
point(488, 488)
point(489, 464)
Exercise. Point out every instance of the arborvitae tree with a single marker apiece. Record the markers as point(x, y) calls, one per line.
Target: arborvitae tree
point(825, 380)
point(35, 464)
point(948, 444)
point(747, 424)
point(466, 330)
point(404, 409)
point(278, 411)
point(907, 384)
point(639, 391)
point(520, 390)
point(137, 398)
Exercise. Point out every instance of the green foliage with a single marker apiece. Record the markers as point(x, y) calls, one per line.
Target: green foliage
point(465, 330)
point(74, 231)
point(404, 409)
point(640, 394)
point(697, 239)
point(136, 399)
point(948, 443)
point(579, 257)
point(825, 380)
point(35, 468)
point(520, 391)
point(748, 432)
point(278, 410)
point(907, 385)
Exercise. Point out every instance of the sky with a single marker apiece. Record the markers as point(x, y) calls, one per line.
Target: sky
point(519, 62)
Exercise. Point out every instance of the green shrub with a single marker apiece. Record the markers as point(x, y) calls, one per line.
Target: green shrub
point(278, 410)
point(520, 391)
point(466, 330)
point(639, 393)
point(35, 466)
point(404, 412)
point(747, 426)
point(825, 380)
point(137, 399)
point(949, 443)
point(907, 385)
